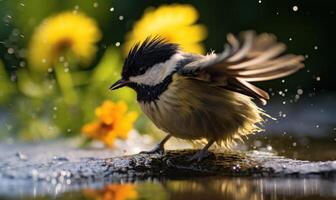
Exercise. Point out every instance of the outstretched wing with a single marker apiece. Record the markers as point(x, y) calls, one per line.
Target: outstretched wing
point(249, 58)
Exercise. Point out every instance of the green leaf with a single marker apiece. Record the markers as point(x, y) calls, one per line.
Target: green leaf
point(7, 88)
point(31, 88)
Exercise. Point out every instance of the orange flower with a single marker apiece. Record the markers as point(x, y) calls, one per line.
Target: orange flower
point(113, 122)
point(113, 192)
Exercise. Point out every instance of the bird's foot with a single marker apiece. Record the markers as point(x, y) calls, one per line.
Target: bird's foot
point(200, 155)
point(158, 149)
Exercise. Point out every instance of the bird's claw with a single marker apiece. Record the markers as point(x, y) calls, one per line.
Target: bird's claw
point(199, 156)
point(158, 149)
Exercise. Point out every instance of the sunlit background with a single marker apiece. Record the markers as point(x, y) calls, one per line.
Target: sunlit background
point(58, 59)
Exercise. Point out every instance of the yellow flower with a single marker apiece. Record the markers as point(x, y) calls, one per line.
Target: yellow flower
point(67, 32)
point(175, 23)
point(113, 122)
point(113, 192)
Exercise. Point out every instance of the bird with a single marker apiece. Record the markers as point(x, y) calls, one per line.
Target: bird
point(207, 98)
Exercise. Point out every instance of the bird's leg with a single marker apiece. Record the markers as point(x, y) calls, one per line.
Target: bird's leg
point(203, 153)
point(159, 148)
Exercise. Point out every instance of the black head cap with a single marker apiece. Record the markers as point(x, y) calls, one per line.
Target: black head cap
point(144, 55)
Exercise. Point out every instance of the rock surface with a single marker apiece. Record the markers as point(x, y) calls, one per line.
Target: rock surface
point(58, 165)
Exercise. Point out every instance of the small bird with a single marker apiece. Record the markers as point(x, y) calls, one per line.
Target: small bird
point(206, 97)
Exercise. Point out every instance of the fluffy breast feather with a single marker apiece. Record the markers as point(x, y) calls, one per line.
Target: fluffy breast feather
point(194, 110)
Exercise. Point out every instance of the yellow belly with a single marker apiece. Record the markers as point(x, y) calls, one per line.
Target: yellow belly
point(192, 109)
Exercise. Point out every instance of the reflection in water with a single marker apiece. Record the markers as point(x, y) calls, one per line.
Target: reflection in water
point(251, 188)
point(228, 188)
point(112, 192)
point(220, 188)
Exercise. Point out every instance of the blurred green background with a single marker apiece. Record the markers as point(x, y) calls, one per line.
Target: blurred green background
point(312, 25)
point(308, 31)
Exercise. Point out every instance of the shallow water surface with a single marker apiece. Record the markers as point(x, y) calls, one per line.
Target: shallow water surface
point(23, 165)
point(196, 188)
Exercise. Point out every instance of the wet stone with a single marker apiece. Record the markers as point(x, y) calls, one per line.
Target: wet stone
point(60, 158)
point(21, 156)
point(76, 168)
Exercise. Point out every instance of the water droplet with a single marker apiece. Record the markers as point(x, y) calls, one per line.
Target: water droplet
point(117, 44)
point(55, 108)
point(7, 19)
point(284, 102)
point(13, 77)
point(10, 50)
point(300, 91)
point(50, 70)
point(111, 9)
point(315, 47)
point(283, 81)
point(318, 78)
point(95, 4)
point(290, 39)
point(22, 4)
point(294, 144)
point(121, 17)
point(259, 1)
point(22, 64)
point(280, 113)
point(317, 126)
point(269, 148)
point(34, 173)
point(295, 8)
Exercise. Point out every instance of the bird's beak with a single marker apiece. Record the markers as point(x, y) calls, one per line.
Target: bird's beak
point(119, 84)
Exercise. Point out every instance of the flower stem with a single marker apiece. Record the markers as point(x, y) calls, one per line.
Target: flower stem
point(65, 83)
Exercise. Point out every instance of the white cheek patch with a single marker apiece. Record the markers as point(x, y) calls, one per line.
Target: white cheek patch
point(158, 72)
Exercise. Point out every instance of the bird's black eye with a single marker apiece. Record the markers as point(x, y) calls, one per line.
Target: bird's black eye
point(142, 70)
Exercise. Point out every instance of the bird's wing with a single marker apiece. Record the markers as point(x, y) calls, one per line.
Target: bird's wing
point(248, 58)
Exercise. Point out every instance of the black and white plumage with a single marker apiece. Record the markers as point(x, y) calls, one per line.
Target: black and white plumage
point(209, 97)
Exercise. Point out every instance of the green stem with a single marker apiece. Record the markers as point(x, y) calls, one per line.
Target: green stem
point(65, 83)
